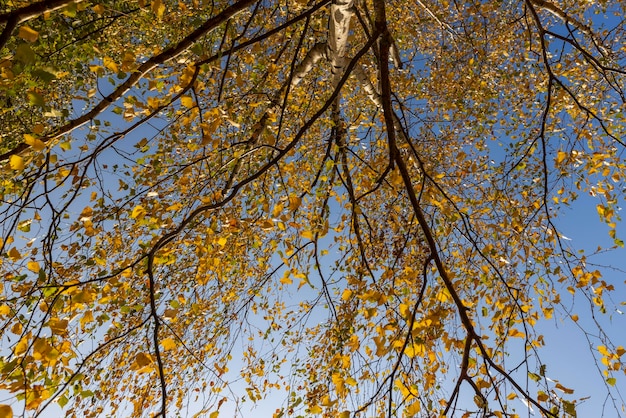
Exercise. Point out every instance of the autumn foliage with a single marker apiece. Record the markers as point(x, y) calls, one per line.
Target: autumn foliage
point(347, 207)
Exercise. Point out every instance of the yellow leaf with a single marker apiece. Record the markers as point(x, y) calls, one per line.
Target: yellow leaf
point(316, 409)
point(21, 346)
point(286, 279)
point(277, 210)
point(516, 333)
point(405, 311)
point(87, 318)
point(58, 326)
point(413, 408)
point(214, 414)
point(33, 266)
point(564, 389)
point(174, 207)
point(16, 162)
point(87, 212)
point(222, 241)
point(5, 309)
point(414, 349)
point(560, 157)
point(482, 384)
point(220, 370)
point(158, 8)
point(339, 384)
point(98, 8)
point(294, 203)
point(395, 178)
point(28, 34)
point(186, 101)
point(41, 348)
point(6, 411)
point(406, 391)
point(153, 103)
point(208, 129)
point(168, 344)
point(138, 212)
point(443, 296)
point(110, 64)
point(14, 254)
point(602, 349)
point(346, 294)
point(34, 142)
point(307, 234)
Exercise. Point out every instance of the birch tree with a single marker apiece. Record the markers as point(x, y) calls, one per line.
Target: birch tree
point(348, 207)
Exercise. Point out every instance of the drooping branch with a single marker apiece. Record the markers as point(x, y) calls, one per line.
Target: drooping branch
point(392, 127)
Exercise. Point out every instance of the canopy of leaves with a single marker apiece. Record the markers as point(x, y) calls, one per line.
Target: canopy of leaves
point(346, 205)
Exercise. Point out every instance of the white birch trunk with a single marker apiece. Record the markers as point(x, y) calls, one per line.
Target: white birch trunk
point(341, 12)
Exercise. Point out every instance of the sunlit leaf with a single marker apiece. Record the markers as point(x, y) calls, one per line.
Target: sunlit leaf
point(6, 411)
point(14, 254)
point(28, 34)
point(138, 212)
point(186, 101)
point(33, 266)
point(34, 142)
point(168, 344)
point(16, 162)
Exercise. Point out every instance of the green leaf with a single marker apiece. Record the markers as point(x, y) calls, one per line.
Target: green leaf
point(63, 400)
point(24, 226)
point(70, 10)
point(35, 99)
point(24, 54)
point(569, 408)
point(44, 75)
point(542, 370)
